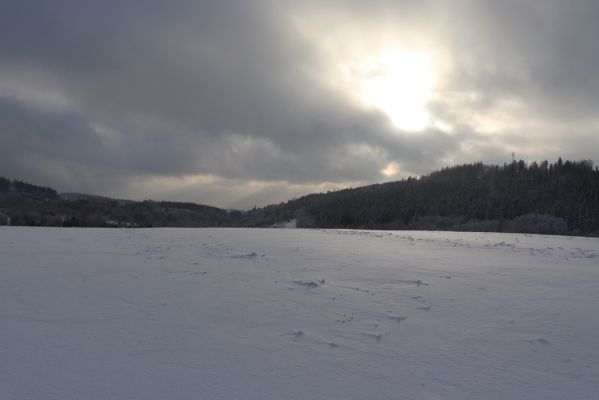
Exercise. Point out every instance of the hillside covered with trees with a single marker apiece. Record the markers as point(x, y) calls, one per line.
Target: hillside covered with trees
point(558, 198)
point(25, 204)
point(552, 198)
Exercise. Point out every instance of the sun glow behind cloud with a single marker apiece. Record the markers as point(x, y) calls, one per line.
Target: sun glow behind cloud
point(395, 82)
point(390, 169)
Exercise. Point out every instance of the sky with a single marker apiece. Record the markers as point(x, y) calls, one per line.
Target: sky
point(242, 103)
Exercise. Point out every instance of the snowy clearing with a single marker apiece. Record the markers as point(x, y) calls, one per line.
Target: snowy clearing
point(296, 314)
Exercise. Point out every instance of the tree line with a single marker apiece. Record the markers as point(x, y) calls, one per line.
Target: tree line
point(16, 188)
point(553, 198)
point(558, 198)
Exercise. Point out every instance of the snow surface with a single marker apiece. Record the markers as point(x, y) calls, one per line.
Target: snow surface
point(291, 224)
point(296, 314)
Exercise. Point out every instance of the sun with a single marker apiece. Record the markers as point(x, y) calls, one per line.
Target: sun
point(397, 83)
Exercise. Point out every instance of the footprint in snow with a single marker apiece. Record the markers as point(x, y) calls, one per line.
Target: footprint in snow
point(395, 318)
point(296, 334)
point(539, 341)
point(417, 282)
point(345, 319)
point(357, 289)
point(309, 284)
point(248, 256)
point(376, 336)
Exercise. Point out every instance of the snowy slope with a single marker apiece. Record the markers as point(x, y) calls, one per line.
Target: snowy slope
point(245, 314)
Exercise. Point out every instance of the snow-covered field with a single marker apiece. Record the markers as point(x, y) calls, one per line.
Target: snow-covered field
point(296, 314)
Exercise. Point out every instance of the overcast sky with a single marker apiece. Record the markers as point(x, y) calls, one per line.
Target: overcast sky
point(237, 103)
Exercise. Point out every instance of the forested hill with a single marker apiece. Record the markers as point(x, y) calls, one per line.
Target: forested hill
point(559, 198)
point(22, 203)
point(17, 188)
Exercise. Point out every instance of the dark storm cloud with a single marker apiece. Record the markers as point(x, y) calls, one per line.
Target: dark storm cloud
point(62, 136)
point(97, 95)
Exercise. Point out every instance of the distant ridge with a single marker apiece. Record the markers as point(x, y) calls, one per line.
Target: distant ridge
point(22, 203)
point(556, 198)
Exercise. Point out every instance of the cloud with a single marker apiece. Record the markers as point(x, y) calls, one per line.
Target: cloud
point(114, 97)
